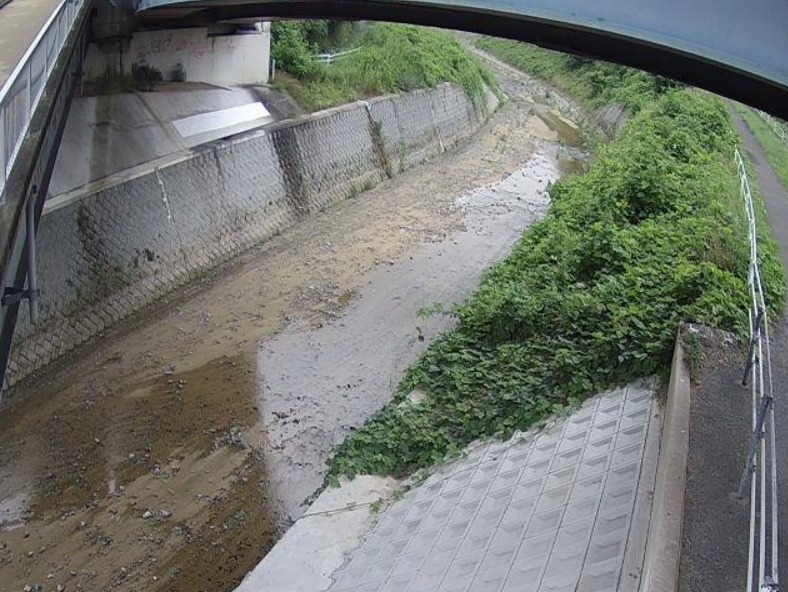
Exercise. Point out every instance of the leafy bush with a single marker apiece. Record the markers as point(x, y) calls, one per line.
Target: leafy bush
point(292, 50)
point(652, 236)
point(145, 76)
point(597, 83)
point(393, 58)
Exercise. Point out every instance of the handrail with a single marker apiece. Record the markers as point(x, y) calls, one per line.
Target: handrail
point(761, 462)
point(23, 89)
point(778, 130)
point(329, 58)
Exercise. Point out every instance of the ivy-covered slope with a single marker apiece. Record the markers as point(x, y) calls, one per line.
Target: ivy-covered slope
point(652, 235)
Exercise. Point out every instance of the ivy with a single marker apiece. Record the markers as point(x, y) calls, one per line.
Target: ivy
point(652, 236)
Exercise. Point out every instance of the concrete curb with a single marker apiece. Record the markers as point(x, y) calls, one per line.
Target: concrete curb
point(318, 543)
point(661, 568)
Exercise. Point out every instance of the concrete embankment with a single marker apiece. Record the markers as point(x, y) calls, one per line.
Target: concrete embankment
point(105, 255)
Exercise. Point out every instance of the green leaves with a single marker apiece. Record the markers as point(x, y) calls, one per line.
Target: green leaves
point(650, 237)
point(392, 58)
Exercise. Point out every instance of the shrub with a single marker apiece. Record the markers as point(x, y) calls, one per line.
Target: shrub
point(393, 58)
point(595, 82)
point(145, 76)
point(652, 236)
point(292, 50)
point(178, 73)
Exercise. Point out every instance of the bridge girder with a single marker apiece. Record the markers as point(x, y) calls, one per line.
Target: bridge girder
point(737, 48)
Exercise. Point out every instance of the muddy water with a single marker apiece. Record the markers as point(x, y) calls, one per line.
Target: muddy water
point(170, 454)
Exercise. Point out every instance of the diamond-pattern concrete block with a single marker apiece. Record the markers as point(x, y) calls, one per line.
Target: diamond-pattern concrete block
point(527, 489)
point(631, 435)
point(108, 254)
point(548, 510)
point(567, 459)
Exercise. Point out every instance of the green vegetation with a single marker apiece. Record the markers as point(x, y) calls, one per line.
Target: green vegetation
point(593, 82)
point(776, 150)
point(392, 58)
point(143, 77)
point(651, 236)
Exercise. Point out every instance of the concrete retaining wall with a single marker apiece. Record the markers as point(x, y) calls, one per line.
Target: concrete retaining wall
point(105, 255)
point(230, 59)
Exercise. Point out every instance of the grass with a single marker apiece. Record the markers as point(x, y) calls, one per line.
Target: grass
point(776, 150)
point(651, 236)
point(593, 82)
point(393, 58)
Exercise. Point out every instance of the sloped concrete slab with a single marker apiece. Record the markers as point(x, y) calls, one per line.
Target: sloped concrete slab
point(317, 544)
point(552, 510)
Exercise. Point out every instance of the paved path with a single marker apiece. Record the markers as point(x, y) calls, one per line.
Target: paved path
point(20, 22)
point(565, 510)
point(776, 199)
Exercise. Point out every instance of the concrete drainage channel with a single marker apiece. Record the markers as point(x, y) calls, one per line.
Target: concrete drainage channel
point(110, 253)
point(174, 418)
point(531, 508)
point(589, 502)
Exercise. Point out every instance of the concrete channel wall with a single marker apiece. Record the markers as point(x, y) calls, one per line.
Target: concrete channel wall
point(105, 255)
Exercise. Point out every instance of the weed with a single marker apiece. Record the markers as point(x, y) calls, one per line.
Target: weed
point(178, 73)
point(431, 310)
point(393, 58)
point(694, 355)
point(593, 82)
point(776, 150)
point(650, 237)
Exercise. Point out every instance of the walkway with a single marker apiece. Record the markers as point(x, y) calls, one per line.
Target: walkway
point(20, 23)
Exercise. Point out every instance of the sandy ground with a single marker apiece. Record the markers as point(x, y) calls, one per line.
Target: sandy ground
point(171, 453)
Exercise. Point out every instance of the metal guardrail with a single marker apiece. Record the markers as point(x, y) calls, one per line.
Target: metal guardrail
point(24, 88)
point(329, 58)
point(761, 464)
point(775, 126)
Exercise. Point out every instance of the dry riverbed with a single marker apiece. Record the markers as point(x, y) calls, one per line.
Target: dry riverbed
point(171, 453)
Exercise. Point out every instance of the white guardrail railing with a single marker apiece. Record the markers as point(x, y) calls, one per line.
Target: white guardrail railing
point(761, 464)
point(23, 89)
point(329, 58)
point(777, 128)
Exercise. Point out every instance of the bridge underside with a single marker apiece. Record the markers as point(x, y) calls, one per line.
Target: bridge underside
point(737, 48)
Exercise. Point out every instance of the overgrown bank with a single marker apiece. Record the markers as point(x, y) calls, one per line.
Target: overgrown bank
point(390, 58)
point(776, 150)
point(653, 235)
point(593, 82)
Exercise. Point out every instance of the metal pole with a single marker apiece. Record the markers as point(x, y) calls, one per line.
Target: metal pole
point(32, 278)
point(756, 333)
point(757, 435)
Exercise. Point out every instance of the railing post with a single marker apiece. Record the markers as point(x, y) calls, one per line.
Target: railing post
point(755, 439)
point(756, 333)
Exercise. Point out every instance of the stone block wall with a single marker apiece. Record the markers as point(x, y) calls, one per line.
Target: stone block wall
point(105, 255)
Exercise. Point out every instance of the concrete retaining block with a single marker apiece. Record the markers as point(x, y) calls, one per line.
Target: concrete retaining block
point(104, 255)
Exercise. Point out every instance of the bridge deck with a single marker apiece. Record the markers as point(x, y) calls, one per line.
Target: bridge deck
point(20, 22)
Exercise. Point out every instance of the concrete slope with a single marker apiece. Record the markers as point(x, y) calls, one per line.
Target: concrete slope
point(106, 135)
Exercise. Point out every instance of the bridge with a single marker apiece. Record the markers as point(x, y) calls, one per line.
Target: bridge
point(704, 43)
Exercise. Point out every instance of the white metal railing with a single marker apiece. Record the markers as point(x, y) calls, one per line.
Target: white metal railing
point(761, 463)
point(779, 130)
point(329, 58)
point(23, 89)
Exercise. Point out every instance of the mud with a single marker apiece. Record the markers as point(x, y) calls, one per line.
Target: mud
point(319, 384)
point(171, 453)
